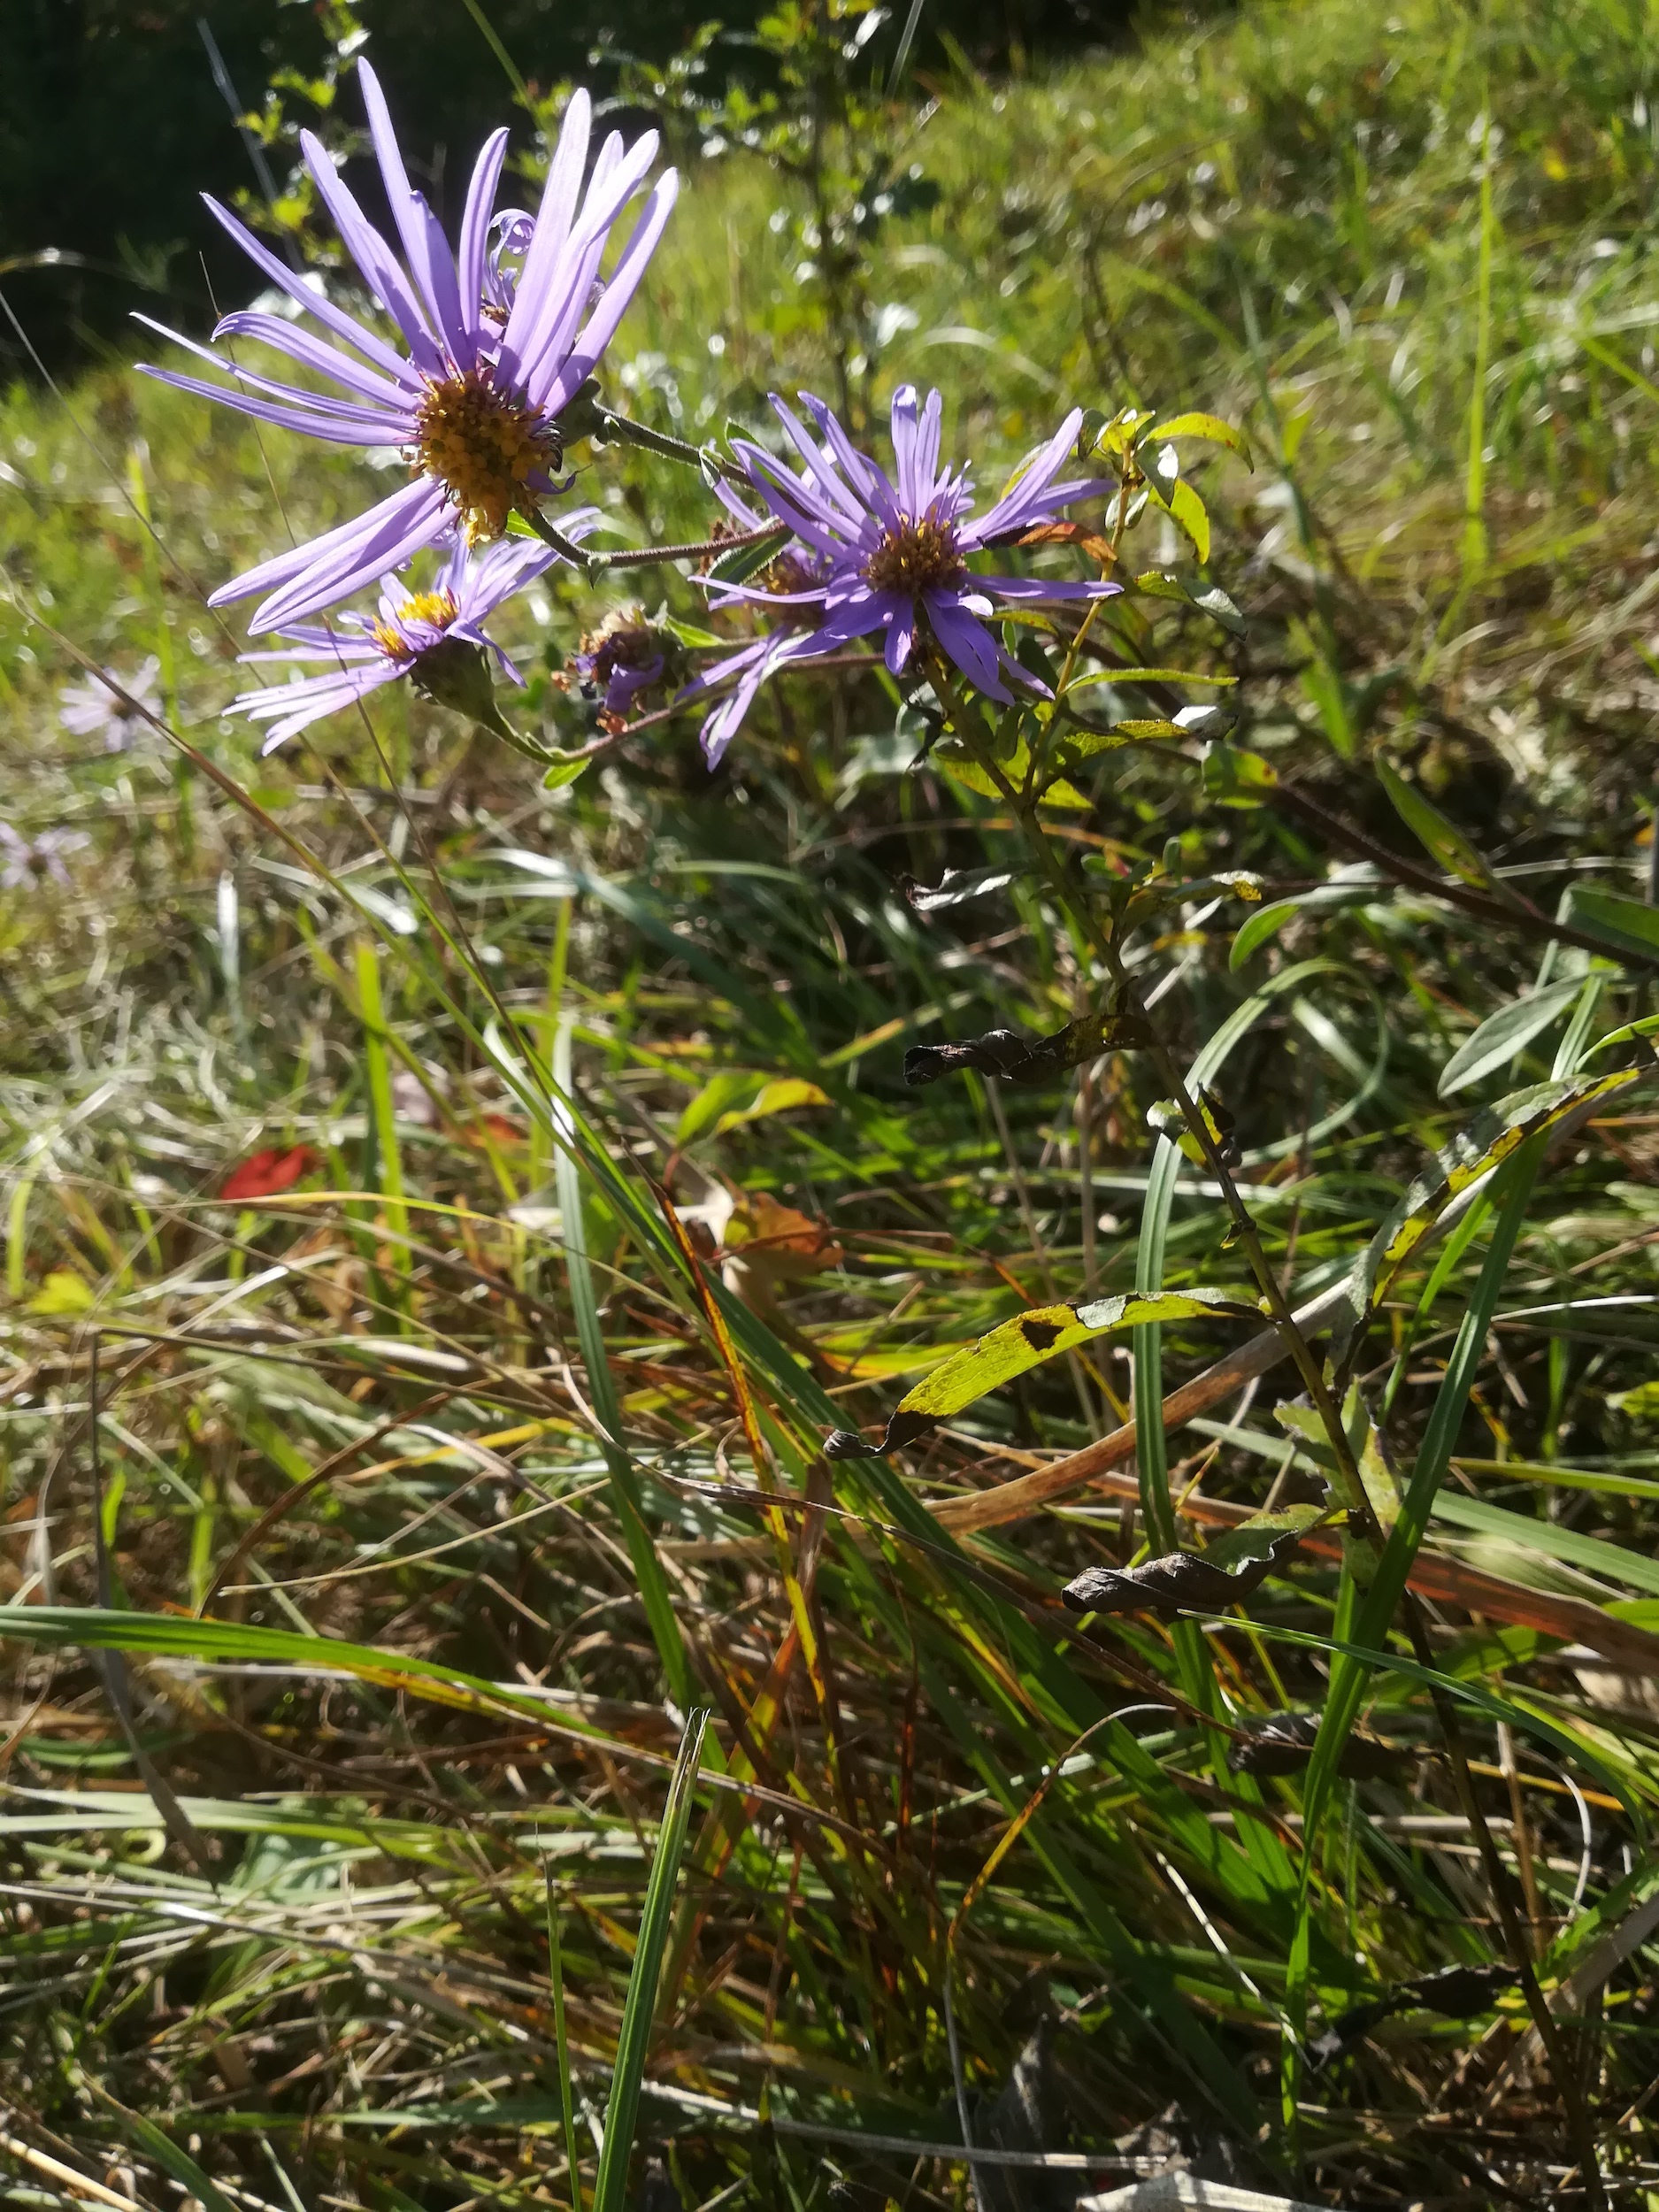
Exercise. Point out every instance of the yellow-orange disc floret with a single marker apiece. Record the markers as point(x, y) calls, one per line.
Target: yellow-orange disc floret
point(483, 448)
point(919, 557)
point(437, 608)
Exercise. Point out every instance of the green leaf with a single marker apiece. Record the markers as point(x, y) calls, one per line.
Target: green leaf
point(1503, 1036)
point(727, 1092)
point(1626, 924)
point(1189, 511)
point(622, 2109)
point(780, 1097)
point(743, 561)
point(1212, 430)
point(1253, 1539)
point(1234, 777)
point(1155, 583)
point(1013, 1347)
point(1438, 837)
point(565, 769)
point(1473, 1152)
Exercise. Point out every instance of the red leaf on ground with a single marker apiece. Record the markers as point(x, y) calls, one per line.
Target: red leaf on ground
point(264, 1175)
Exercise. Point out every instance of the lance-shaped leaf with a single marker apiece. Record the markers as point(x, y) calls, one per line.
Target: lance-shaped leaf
point(1505, 1035)
point(1437, 836)
point(1177, 1582)
point(1025, 1341)
point(1626, 924)
point(1475, 1151)
point(1005, 1054)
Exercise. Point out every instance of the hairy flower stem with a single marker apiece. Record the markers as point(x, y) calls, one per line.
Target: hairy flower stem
point(967, 725)
point(596, 564)
point(621, 430)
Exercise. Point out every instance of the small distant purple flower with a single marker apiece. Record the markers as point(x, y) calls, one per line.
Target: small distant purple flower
point(92, 709)
point(416, 633)
point(24, 861)
point(892, 558)
point(492, 357)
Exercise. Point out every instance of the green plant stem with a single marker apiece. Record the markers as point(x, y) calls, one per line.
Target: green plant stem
point(966, 725)
point(647, 557)
point(626, 432)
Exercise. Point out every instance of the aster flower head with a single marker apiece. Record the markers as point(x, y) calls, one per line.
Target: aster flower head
point(491, 354)
point(625, 656)
point(92, 709)
point(434, 637)
point(26, 862)
point(892, 555)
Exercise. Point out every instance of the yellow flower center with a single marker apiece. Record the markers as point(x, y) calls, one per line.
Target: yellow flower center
point(919, 557)
point(483, 448)
point(438, 608)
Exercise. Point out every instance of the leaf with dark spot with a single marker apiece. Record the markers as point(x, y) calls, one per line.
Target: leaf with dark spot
point(1005, 1054)
point(1013, 1346)
point(1179, 1582)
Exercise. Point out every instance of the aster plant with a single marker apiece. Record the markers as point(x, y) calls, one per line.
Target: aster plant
point(489, 362)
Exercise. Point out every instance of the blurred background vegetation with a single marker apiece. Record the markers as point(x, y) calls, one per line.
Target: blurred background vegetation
point(370, 1355)
point(113, 117)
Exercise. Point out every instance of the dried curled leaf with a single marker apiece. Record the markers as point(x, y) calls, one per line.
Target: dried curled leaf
point(1012, 1058)
point(1090, 541)
point(1025, 1341)
point(1179, 1582)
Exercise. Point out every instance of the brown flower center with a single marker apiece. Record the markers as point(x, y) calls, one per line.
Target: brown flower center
point(483, 448)
point(917, 557)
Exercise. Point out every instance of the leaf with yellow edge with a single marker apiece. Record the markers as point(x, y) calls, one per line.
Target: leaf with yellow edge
point(777, 1098)
point(1025, 1341)
point(1489, 1141)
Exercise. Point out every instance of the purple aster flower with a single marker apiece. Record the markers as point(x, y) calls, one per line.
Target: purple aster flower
point(91, 709)
point(491, 358)
point(434, 637)
point(24, 861)
point(892, 558)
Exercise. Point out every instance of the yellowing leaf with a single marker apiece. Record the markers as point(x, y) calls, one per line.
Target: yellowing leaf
point(777, 1098)
point(63, 1292)
point(1025, 1341)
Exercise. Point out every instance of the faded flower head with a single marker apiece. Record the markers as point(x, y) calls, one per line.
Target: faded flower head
point(625, 656)
point(497, 337)
point(891, 556)
point(433, 636)
point(92, 709)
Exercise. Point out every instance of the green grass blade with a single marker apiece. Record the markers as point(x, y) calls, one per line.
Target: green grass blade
point(633, 2043)
point(602, 1389)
